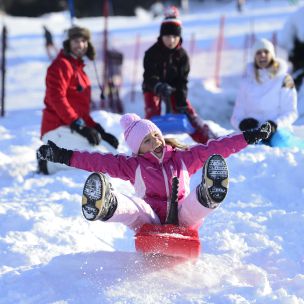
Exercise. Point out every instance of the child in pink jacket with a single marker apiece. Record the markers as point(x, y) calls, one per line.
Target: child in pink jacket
point(150, 169)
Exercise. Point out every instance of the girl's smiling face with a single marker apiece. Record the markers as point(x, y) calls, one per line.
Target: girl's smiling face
point(153, 142)
point(263, 58)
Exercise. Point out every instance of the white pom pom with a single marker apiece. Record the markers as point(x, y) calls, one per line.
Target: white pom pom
point(127, 119)
point(171, 12)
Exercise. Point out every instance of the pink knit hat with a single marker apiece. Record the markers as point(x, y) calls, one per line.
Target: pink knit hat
point(135, 130)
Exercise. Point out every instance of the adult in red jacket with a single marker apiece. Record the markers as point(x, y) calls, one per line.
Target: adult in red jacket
point(66, 117)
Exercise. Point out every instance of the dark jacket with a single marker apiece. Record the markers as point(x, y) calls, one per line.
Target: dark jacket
point(68, 94)
point(165, 65)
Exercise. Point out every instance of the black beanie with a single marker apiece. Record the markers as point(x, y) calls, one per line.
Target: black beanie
point(171, 25)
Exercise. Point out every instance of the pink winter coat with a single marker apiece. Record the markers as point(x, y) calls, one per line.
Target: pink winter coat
point(151, 176)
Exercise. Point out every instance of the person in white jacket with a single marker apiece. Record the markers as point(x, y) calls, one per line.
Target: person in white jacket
point(267, 93)
point(291, 38)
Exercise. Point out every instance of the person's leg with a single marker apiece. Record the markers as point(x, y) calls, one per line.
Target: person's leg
point(202, 132)
point(152, 105)
point(191, 212)
point(133, 212)
point(100, 202)
point(208, 195)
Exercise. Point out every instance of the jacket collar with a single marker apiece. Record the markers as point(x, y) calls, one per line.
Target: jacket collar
point(73, 59)
point(167, 154)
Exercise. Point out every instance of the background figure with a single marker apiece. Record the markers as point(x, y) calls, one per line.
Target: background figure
point(66, 117)
point(291, 38)
point(50, 47)
point(166, 70)
point(157, 8)
point(266, 93)
point(240, 5)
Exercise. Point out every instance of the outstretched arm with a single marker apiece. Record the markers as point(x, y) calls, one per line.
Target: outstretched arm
point(225, 146)
point(119, 166)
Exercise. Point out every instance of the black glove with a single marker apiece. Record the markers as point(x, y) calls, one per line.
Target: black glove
point(248, 124)
point(182, 109)
point(274, 126)
point(53, 153)
point(111, 139)
point(90, 134)
point(254, 136)
point(164, 90)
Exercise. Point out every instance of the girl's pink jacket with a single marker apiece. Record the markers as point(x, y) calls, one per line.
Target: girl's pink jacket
point(152, 177)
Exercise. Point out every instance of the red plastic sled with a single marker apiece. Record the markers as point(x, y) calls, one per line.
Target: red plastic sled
point(168, 240)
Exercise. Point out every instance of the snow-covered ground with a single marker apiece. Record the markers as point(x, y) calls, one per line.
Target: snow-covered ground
point(252, 246)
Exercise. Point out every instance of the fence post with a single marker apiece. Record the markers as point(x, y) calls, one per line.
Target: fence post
point(136, 57)
point(246, 51)
point(103, 103)
point(3, 68)
point(274, 40)
point(219, 49)
point(192, 45)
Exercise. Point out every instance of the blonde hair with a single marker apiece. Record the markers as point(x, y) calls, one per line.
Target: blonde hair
point(273, 69)
point(175, 143)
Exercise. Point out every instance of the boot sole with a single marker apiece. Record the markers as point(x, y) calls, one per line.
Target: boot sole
point(93, 196)
point(216, 178)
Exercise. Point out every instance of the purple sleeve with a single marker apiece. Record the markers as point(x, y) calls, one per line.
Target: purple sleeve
point(225, 146)
point(118, 166)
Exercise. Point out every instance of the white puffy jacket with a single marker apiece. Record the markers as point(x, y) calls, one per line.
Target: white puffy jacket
point(268, 99)
point(292, 29)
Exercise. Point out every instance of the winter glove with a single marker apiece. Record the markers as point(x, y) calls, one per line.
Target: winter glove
point(111, 139)
point(272, 131)
point(254, 136)
point(163, 90)
point(248, 124)
point(273, 125)
point(90, 134)
point(182, 109)
point(53, 153)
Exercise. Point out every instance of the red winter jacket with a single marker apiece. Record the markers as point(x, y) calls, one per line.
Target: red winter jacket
point(68, 94)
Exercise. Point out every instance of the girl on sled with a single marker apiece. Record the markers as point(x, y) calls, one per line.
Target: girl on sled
point(151, 168)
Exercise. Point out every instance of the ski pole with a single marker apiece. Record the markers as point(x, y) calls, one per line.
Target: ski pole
point(72, 11)
point(3, 68)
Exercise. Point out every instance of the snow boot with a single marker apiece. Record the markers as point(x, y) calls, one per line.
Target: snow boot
point(214, 186)
point(98, 200)
point(41, 165)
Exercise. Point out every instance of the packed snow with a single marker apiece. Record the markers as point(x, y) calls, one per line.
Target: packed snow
point(252, 245)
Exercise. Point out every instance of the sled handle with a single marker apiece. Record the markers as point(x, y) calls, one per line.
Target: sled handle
point(172, 216)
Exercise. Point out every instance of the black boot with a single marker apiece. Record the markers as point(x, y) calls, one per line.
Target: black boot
point(42, 165)
point(98, 200)
point(214, 186)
